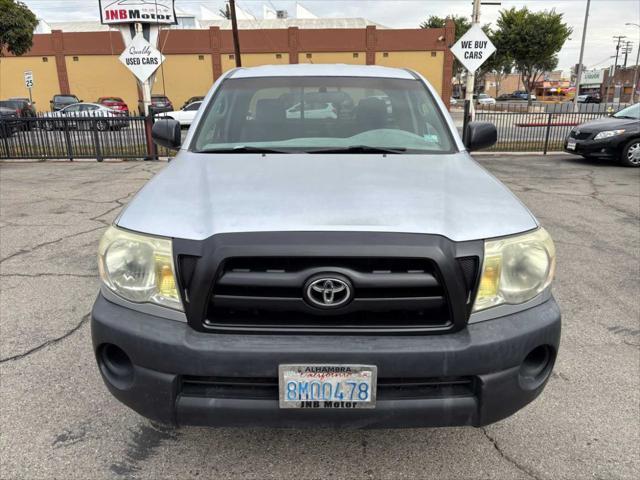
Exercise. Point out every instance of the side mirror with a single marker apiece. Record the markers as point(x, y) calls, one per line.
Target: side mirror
point(166, 133)
point(480, 135)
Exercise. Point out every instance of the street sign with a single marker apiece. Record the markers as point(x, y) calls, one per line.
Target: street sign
point(28, 79)
point(473, 48)
point(137, 11)
point(141, 57)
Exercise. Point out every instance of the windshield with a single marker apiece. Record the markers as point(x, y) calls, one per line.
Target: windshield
point(65, 98)
point(307, 114)
point(630, 112)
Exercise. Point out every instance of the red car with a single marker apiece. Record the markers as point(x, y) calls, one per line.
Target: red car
point(115, 103)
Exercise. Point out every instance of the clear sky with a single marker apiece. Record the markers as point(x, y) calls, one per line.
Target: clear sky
point(607, 17)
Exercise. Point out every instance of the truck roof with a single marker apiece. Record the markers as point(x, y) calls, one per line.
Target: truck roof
point(321, 70)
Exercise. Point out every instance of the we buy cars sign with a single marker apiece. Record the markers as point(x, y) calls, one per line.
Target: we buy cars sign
point(137, 11)
point(141, 57)
point(473, 48)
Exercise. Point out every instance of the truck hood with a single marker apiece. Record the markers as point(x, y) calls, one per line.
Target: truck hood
point(199, 195)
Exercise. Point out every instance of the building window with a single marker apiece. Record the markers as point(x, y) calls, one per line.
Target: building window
point(309, 55)
point(385, 54)
point(433, 54)
point(232, 56)
point(45, 59)
point(278, 55)
point(200, 57)
point(76, 59)
point(355, 55)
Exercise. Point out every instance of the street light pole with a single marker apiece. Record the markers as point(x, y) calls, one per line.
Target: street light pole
point(579, 72)
point(637, 67)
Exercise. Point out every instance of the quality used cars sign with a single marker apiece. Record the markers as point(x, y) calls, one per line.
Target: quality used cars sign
point(133, 11)
point(141, 57)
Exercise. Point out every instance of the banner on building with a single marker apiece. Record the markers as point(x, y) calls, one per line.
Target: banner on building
point(137, 11)
point(592, 77)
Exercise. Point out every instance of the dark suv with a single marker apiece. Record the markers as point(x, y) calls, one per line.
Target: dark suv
point(58, 102)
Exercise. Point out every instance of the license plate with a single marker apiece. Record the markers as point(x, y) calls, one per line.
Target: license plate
point(571, 145)
point(327, 386)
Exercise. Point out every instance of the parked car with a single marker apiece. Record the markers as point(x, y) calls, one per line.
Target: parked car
point(159, 104)
point(25, 110)
point(190, 101)
point(588, 98)
point(114, 103)
point(9, 121)
point(313, 111)
point(60, 101)
point(24, 106)
point(484, 99)
point(185, 116)
point(615, 138)
point(86, 116)
point(505, 97)
point(523, 95)
point(363, 272)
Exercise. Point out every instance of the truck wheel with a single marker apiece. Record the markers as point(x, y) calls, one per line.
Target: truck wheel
point(631, 154)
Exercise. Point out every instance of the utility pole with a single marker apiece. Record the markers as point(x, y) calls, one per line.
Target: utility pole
point(475, 20)
point(615, 65)
point(234, 27)
point(626, 50)
point(636, 68)
point(579, 72)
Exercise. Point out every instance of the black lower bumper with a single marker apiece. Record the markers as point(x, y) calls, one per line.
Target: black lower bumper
point(160, 354)
point(606, 150)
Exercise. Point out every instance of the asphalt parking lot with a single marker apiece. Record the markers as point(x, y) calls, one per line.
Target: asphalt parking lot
point(58, 420)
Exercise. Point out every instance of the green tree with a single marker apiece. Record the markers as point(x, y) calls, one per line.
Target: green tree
point(16, 27)
point(500, 64)
point(532, 40)
point(462, 25)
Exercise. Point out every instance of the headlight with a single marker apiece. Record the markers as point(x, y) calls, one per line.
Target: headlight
point(138, 267)
point(515, 269)
point(608, 133)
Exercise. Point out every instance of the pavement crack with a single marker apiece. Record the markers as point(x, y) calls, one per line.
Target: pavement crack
point(49, 274)
point(508, 458)
point(48, 343)
point(52, 242)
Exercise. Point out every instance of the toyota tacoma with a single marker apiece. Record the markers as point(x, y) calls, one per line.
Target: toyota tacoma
point(352, 270)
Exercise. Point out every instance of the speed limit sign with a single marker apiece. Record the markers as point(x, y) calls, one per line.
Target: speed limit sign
point(28, 79)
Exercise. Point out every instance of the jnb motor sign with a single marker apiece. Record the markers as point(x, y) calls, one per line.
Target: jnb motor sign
point(145, 11)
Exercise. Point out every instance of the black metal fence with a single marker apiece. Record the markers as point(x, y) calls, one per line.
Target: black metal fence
point(57, 137)
point(539, 127)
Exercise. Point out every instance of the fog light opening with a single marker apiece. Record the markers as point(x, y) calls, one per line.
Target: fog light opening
point(115, 365)
point(536, 367)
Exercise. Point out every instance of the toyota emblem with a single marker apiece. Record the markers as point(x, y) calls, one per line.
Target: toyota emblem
point(325, 291)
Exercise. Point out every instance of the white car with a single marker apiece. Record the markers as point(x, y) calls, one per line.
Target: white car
point(184, 116)
point(82, 115)
point(314, 111)
point(484, 99)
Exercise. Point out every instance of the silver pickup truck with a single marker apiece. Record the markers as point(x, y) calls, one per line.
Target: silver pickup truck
point(347, 266)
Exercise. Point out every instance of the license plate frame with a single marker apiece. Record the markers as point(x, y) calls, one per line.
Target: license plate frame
point(343, 374)
point(571, 144)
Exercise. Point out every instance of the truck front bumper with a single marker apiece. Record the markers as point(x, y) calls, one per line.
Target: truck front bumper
point(166, 371)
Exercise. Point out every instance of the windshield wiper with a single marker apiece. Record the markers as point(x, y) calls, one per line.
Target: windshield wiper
point(359, 149)
point(242, 149)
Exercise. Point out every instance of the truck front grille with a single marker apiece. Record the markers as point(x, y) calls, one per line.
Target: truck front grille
point(389, 294)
